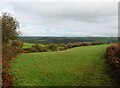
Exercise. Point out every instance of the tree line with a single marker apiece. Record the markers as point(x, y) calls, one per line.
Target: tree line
point(58, 47)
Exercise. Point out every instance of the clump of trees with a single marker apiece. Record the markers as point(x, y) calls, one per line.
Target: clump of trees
point(38, 48)
point(53, 47)
point(11, 45)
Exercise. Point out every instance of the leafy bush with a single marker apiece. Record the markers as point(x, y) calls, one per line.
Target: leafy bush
point(44, 49)
point(69, 45)
point(61, 48)
point(53, 47)
point(64, 45)
point(96, 43)
point(18, 45)
point(113, 59)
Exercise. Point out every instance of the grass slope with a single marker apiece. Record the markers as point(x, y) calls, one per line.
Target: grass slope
point(73, 67)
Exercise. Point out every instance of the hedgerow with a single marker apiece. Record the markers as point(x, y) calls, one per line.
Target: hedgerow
point(113, 60)
point(8, 54)
point(57, 47)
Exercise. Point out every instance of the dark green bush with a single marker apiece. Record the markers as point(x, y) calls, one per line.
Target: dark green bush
point(69, 45)
point(61, 48)
point(53, 47)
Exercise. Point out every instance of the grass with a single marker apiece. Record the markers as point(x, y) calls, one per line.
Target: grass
point(81, 66)
point(28, 45)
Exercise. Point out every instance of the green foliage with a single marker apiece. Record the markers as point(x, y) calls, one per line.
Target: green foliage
point(61, 48)
point(9, 28)
point(66, 40)
point(53, 47)
point(17, 43)
point(11, 46)
point(36, 48)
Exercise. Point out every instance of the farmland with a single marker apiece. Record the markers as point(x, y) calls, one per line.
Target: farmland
point(29, 45)
point(80, 66)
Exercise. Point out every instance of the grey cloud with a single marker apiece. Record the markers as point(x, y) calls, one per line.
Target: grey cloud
point(67, 19)
point(89, 12)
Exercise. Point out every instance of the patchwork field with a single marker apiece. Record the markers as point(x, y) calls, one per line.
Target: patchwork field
point(73, 67)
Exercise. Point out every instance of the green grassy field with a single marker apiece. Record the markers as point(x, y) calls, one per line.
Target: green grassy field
point(74, 67)
point(28, 45)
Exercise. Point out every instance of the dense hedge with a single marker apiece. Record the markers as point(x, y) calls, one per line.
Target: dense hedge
point(8, 53)
point(58, 47)
point(113, 59)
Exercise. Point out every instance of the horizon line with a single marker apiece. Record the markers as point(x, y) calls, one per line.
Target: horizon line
point(69, 36)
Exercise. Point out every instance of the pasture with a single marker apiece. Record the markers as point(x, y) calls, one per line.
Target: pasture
point(29, 45)
point(80, 66)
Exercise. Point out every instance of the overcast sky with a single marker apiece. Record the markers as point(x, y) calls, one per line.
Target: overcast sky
point(65, 18)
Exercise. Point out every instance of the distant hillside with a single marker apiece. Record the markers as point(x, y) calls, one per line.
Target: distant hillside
point(46, 40)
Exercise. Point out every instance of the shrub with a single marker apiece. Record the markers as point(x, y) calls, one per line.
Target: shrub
point(75, 44)
point(113, 59)
point(33, 49)
point(61, 48)
point(37, 47)
point(84, 44)
point(8, 53)
point(80, 44)
point(69, 45)
point(26, 50)
point(96, 43)
point(18, 45)
point(53, 47)
point(64, 45)
point(44, 49)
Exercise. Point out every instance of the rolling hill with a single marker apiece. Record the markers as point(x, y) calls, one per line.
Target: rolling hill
point(46, 40)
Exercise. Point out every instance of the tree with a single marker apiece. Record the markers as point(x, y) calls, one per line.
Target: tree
point(53, 47)
point(9, 28)
point(10, 45)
